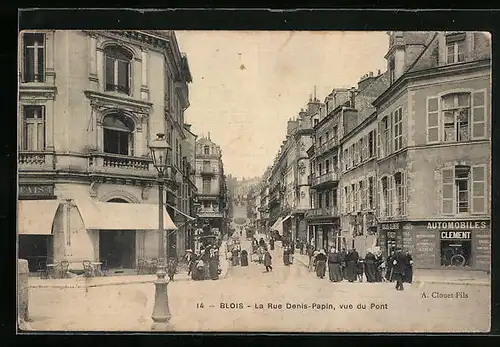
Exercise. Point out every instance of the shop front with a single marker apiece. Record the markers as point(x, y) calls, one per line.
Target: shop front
point(324, 234)
point(38, 214)
point(463, 244)
point(390, 237)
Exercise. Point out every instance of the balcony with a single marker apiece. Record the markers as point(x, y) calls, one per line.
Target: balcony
point(120, 165)
point(208, 171)
point(209, 213)
point(323, 212)
point(329, 178)
point(35, 161)
point(327, 146)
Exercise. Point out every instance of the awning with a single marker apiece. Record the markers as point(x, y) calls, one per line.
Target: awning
point(278, 226)
point(121, 216)
point(35, 217)
point(182, 213)
point(286, 218)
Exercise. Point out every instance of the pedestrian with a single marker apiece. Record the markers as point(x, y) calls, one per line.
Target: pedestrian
point(310, 254)
point(389, 266)
point(370, 267)
point(334, 270)
point(271, 243)
point(261, 254)
point(189, 258)
point(171, 268)
point(286, 255)
point(268, 260)
point(409, 268)
point(205, 256)
point(351, 265)
point(198, 273)
point(360, 267)
point(343, 263)
point(213, 265)
point(292, 251)
point(399, 264)
point(301, 247)
point(321, 264)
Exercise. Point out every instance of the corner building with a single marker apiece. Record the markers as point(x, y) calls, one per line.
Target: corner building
point(90, 103)
point(434, 130)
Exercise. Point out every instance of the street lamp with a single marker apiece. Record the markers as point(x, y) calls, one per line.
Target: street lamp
point(161, 312)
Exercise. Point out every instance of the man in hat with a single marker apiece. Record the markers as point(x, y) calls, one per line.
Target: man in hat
point(189, 259)
point(398, 269)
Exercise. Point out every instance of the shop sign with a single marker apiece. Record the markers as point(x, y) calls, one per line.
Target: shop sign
point(36, 190)
point(458, 225)
point(390, 226)
point(461, 235)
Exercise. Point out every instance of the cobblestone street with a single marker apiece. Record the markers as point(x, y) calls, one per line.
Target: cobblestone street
point(198, 306)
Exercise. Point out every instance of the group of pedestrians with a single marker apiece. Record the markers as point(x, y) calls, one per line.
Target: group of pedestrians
point(348, 265)
point(204, 264)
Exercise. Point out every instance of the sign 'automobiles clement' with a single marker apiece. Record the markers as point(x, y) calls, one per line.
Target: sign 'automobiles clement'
point(458, 225)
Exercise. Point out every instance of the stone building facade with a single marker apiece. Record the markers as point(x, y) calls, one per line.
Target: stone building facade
point(90, 103)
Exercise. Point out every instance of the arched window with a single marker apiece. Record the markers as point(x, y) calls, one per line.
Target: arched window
point(117, 66)
point(118, 135)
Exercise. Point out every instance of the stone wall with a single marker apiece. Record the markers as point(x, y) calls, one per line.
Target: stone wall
point(22, 289)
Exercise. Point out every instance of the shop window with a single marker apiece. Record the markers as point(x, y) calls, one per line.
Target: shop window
point(455, 48)
point(33, 57)
point(456, 117)
point(117, 66)
point(464, 189)
point(118, 135)
point(398, 129)
point(33, 128)
point(456, 253)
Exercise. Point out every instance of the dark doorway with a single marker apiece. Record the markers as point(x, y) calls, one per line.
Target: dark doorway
point(117, 248)
point(35, 249)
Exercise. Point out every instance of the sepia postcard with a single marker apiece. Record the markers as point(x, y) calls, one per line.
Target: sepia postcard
point(254, 181)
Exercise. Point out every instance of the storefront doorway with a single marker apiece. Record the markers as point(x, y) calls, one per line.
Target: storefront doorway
point(117, 248)
point(36, 249)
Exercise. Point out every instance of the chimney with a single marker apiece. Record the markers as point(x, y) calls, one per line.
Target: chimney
point(352, 97)
point(209, 135)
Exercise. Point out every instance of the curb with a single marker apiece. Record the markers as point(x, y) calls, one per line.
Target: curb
point(118, 283)
point(479, 283)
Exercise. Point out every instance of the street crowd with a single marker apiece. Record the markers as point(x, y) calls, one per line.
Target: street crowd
point(204, 264)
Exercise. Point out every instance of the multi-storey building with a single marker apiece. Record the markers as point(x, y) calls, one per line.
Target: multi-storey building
point(434, 129)
point(90, 103)
point(288, 183)
point(359, 165)
point(263, 208)
point(211, 185)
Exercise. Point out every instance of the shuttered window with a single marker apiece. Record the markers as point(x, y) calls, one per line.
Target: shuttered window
point(432, 120)
point(479, 189)
point(447, 191)
point(479, 114)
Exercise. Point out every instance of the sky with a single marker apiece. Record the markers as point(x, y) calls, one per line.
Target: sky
point(246, 85)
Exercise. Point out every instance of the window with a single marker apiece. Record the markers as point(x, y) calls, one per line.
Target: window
point(399, 180)
point(33, 128)
point(356, 153)
point(371, 193)
point(334, 134)
point(327, 198)
point(398, 129)
point(206, 166)
point(320, 169)
point(354, 193)
point(351, 156)
point(206, 150)
point(347, 196)
point(385, 130)
point(363, 149)
point(362, 192)
point(455, 48)
point(33, 57)
point(334, 197)
point(118, 135)
point(117, 66)
point(315, 122)
point(371, 144)
point(392, 71)
point(464, 189)
point(456, 252)
point(456, 111)
point(320, 140)
point(207, 189)
point(334, 164)
point(346, 159)
point(320, 200)
point(327, 166)
point(327, 136)
point(386, 197)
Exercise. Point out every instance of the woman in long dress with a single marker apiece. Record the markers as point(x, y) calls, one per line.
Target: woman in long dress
point(334, 269)
point(268, 260)
point(286, 256)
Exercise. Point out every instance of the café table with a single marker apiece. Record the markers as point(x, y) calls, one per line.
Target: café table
point(97, 267)
point(51, 270)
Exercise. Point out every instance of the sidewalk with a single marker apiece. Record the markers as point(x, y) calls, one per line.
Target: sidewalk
point(452, 276)
point(85, 282)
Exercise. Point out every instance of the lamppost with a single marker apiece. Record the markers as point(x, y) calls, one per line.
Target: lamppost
point(161, 311)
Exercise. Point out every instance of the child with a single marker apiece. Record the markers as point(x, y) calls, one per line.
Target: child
point(360, 269)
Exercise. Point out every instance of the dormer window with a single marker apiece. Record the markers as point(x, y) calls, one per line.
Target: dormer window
point(455, 48)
